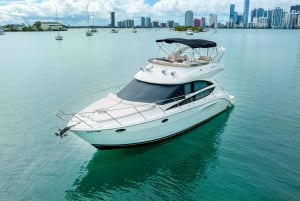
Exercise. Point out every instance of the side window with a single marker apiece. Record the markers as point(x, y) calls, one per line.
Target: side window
point(204, 93)
point(187, 88)
point(200, 85)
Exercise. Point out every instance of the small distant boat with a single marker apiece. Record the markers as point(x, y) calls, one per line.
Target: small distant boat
point(189, 32)
point(114, 31)
point(134, 30)
point(2, 31)
point(93, 29)
point(89, 31)
point(58, 36)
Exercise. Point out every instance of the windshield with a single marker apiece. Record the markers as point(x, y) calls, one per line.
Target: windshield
point(139, 91)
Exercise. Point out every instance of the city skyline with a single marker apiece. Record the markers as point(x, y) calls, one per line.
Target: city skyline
point(74, 12)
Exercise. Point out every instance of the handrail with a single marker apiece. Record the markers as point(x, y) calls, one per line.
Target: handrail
point(156, 104)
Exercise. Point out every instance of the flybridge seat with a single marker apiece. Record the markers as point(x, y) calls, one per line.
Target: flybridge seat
point(187, 52)
point(205, 58)
point(179, 63)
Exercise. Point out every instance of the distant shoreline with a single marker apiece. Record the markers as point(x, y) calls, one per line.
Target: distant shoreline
point(138, 27)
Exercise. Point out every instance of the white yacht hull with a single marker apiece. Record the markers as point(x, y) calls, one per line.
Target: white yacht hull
point(154, 130)
point(167, 97)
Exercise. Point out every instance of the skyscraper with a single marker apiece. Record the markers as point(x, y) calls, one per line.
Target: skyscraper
point(143, 24)
point(189, 18)
point(246, 11)
point(277, 18)
point(197, 22)
point(112, 19)
point(203, 23)
point(170, 23)
point(260, 12)
point(253, 14)
point(148, 22)
point(231, 12)
point(213, 21)
point(295, 8)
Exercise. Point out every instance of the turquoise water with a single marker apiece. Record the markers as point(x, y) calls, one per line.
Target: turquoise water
point(250, 152)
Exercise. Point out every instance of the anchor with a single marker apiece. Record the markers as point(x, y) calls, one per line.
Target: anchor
point(62, 132)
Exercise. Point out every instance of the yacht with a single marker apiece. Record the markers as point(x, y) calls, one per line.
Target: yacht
point(134, 30)
point(58, 36)
point(94, 29)
point(173, 93)
point(114, 31)
point(89, 31)
point(189, 32)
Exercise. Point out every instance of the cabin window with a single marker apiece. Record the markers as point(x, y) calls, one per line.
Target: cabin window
point(187, 88)
point(161, 94)
point(194, 87)
point(203, 94)
point(198, 85)
point(139, 91)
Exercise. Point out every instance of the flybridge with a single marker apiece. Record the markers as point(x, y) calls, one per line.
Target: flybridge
point(180, 52)
point(193, 43)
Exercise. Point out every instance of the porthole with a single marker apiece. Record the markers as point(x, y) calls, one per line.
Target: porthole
point(164, 120)
point(120, 130)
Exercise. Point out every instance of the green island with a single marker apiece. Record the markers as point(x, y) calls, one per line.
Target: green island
point(184, 28)
point(37, 26)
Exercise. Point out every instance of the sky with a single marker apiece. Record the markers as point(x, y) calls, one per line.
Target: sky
point(75, 12)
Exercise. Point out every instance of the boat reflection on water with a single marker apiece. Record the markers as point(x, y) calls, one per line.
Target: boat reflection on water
point(168, 170)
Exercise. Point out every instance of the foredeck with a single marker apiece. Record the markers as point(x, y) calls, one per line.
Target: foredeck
point(113, 112)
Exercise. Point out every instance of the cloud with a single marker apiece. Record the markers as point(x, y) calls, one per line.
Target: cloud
point(75, 11)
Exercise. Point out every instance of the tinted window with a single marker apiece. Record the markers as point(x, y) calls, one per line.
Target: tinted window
point(139, 91)
point(188, 88)
point(198, 96)
point(200, 85)
point(204, 93)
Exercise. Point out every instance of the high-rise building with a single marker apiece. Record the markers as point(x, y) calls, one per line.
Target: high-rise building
point(197, 22)
point(170, 23)
point(128, 23)
point(148, 22)
point(143, 22)
point(112, 19)
point(213, 20)
point(189, 18)
point(120, 24)
point(260, 12)
point(257, 13)
point(231, 12)
point(203, 22)
point(291, 19)
point(262, 22)
point(295, 8)
point(235, 18)
point(253, 14)
point(246, 12)
point(270, 13)
point(277, 18)
point(154, 24)
point(163, 25)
